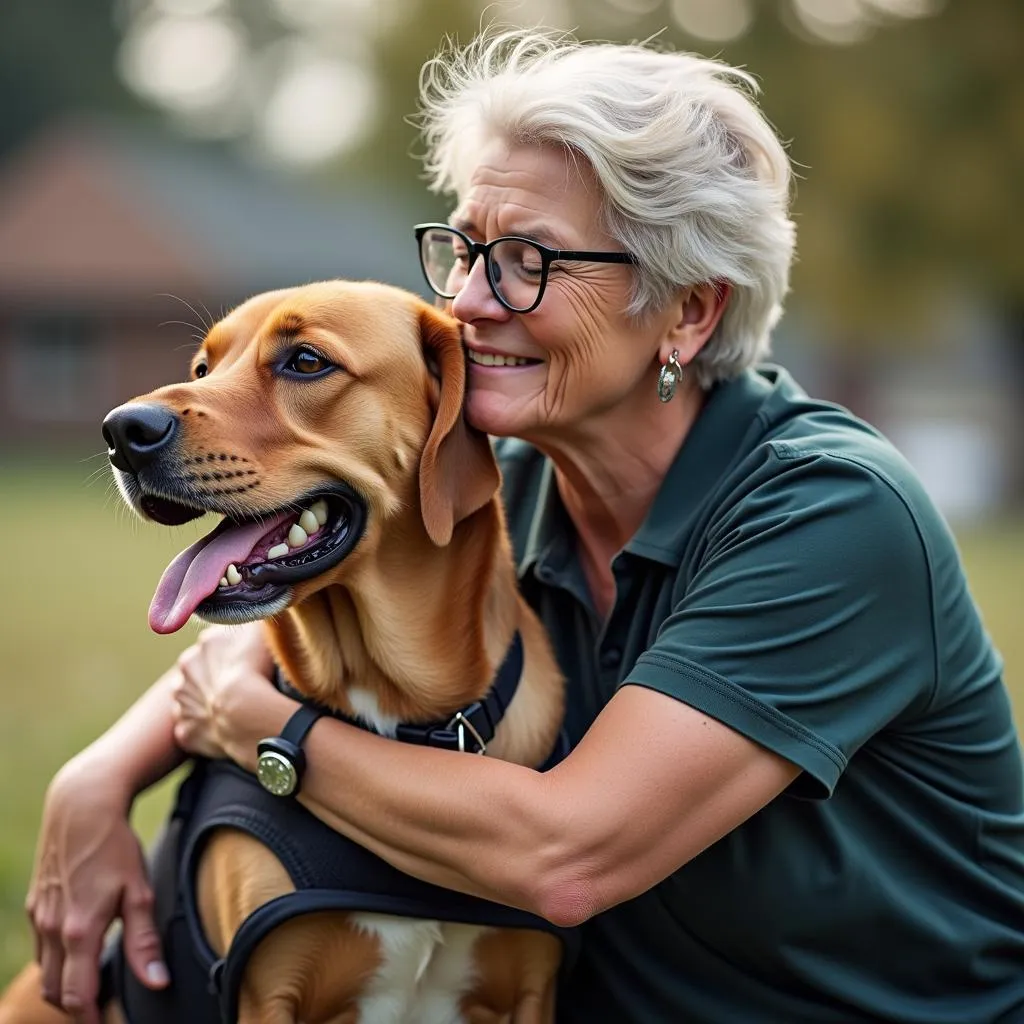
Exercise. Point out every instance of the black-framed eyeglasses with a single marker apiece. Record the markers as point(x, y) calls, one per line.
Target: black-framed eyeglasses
point(517, 268)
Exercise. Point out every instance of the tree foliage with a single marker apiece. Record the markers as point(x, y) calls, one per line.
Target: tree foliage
point(909, 143)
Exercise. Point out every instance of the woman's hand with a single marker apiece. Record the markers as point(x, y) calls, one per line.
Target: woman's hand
point(89, 870)
point(223, 701)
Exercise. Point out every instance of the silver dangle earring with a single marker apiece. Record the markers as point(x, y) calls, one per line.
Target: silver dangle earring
point(669, 377)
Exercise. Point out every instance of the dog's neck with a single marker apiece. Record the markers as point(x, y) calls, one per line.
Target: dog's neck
point(394, 645)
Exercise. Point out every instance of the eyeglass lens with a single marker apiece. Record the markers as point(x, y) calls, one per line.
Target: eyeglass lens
point(515, 268)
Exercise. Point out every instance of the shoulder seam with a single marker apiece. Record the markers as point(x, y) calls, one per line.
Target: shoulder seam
point(786, 452)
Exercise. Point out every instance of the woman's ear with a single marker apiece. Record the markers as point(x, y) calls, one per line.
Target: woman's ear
point(696, 313)
point(458, 472)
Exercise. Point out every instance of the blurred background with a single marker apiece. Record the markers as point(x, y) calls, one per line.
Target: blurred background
point(162, 159)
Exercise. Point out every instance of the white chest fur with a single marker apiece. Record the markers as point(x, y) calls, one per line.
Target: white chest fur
point(426, 967)
point(366, 709)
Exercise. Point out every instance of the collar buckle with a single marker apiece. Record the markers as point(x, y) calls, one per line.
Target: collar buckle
point(461, 724)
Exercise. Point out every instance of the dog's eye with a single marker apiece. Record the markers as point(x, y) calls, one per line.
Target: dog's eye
point(200, 370)
point(307, 362)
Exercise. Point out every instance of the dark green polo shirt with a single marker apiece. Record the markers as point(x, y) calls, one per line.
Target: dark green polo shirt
point(794, 581)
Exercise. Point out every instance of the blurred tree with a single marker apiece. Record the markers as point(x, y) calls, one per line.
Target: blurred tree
point(906, 116)
point(55, 58)
point(911, 146)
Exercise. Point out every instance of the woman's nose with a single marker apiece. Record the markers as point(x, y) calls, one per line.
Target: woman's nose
point(475, 300)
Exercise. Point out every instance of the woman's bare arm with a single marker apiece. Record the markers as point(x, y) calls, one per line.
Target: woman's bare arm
point(652, 784)
point(139, 748)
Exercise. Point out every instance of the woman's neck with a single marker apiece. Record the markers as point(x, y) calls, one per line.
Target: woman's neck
point(609, 471)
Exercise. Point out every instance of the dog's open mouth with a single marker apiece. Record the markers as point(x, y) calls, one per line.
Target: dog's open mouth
point(244, 568)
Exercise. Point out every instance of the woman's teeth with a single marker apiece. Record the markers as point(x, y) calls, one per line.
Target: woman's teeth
point(489, 359)
point(309, 522)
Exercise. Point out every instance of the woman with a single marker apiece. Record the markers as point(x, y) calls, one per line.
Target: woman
point(795, 793)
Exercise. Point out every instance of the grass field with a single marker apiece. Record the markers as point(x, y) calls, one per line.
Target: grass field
point(76, 649)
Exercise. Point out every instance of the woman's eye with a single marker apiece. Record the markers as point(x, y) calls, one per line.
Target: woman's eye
point(306, 361)
point(200, 370)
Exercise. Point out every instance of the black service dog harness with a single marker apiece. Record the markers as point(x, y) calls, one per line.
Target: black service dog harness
point(330, 872)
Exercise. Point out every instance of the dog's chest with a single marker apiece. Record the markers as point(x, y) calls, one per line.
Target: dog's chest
point(425, 969)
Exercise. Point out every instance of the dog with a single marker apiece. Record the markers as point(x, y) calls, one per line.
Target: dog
point(338, 406)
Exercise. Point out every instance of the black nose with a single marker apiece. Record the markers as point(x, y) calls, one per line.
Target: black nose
point(136, 433)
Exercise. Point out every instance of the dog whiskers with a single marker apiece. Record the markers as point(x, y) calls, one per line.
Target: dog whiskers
point(206, 324)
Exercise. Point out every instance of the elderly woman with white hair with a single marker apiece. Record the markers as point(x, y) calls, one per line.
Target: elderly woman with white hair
point(795, 789)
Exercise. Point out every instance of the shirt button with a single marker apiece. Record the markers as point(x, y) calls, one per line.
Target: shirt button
point(611, 657)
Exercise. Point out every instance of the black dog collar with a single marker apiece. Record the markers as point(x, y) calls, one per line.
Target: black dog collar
point(468, 730)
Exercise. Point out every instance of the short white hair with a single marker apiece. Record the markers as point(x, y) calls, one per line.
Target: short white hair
point(695, 181)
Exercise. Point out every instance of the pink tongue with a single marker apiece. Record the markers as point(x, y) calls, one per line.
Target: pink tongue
point(195, 573)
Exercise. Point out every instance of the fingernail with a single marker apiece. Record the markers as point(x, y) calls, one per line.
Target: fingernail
point(156, 973)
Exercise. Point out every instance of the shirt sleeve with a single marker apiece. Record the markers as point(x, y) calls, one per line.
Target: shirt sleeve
point(806, 625)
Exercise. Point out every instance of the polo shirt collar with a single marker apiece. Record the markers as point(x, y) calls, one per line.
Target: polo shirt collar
point(718, 437)
point(547, 542)
point(715, 440)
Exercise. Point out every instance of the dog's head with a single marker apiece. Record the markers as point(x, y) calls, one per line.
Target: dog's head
point(315, 417)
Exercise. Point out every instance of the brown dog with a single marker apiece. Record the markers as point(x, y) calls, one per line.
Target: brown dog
point(315, 400)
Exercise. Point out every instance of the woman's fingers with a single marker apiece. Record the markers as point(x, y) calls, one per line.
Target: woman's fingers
point(80, 979)
point(141, 940)
point(47, 921)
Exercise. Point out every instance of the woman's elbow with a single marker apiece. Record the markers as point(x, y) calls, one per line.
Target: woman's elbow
point(565, 897)
point(569, 905)
point(556, 867)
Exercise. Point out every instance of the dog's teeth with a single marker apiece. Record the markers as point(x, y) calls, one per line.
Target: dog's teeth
point(297, 536)
point(233, 576)
point(278, 551)
point(223, 581)
point(319, 510)
point(309, 522)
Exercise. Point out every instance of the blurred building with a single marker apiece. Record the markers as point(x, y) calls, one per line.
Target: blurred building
point(949, 400)
point(118, 248)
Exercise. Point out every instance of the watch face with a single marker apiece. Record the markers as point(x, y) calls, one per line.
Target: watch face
point(276, 773)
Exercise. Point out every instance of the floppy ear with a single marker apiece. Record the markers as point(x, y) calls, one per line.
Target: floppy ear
point(458, 473)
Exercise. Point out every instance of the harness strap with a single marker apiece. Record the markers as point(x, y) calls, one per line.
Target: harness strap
point(318, 860)
point(226, 975)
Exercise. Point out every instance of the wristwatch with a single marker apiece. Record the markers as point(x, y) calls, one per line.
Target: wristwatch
point(281, 759)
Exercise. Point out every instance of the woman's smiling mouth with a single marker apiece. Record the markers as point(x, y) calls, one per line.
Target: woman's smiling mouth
point(497, 359)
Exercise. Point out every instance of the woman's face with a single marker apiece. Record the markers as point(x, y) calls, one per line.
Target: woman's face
point(585, 357)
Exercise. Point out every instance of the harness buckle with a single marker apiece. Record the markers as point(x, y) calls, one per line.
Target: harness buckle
point(461, 724)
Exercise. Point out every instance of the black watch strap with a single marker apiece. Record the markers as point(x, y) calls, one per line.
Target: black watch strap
point(281, 761)
point(296, 728)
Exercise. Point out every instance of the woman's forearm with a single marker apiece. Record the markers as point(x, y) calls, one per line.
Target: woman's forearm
point(139, 748)
point(474, 824)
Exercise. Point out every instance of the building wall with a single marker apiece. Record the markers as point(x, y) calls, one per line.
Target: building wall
point(62, 372)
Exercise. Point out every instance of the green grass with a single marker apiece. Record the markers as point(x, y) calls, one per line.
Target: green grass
point(76, 650)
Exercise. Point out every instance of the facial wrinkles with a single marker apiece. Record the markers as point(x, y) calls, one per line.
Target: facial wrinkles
point(583, 295)
point(502, 200)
